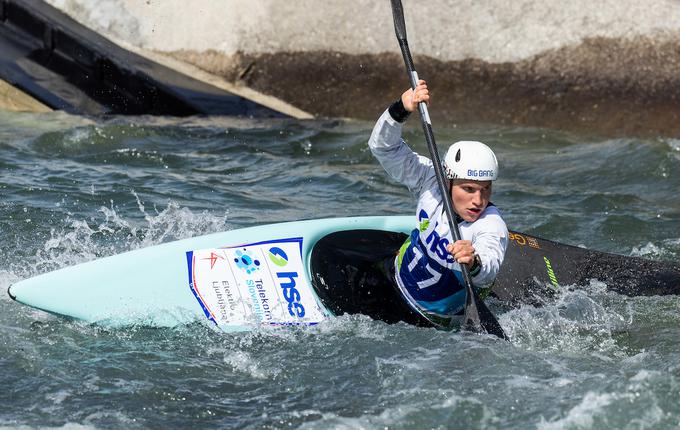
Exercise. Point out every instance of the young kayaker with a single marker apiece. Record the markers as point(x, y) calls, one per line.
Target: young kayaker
point(427, 267)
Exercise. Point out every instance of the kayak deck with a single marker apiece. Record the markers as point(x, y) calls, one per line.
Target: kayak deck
point(344, 261)
point(536, 268)
point(351, 272)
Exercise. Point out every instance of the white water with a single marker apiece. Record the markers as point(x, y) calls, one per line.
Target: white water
point(587, 358)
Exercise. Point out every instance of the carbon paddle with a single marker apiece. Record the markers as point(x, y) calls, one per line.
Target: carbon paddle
point(478, 317)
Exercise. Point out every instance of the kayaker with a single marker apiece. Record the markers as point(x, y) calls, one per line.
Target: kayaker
point(427, 267)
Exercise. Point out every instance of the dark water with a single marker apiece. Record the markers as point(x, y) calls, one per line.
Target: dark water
point(75, 189)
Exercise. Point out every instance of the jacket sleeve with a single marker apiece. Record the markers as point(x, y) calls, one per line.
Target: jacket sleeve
point(490, 243)
point(398, 160)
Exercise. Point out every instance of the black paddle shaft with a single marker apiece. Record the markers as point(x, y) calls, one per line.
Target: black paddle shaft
point(478, 317)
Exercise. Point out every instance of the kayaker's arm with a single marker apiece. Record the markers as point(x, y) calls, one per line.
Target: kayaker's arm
point(490, 245)
point(485, 253)
point(386, 144)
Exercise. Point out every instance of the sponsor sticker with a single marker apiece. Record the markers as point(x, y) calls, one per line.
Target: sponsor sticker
point(259, 283)
point(524, 240)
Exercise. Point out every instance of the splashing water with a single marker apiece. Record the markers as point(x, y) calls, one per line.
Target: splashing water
point(80, 241)
point(78, 189)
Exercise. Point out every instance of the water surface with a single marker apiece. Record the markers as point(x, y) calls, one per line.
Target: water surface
point(74, 189)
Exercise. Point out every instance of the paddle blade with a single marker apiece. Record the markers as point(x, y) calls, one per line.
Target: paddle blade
point(399, 24)
point(479, 319)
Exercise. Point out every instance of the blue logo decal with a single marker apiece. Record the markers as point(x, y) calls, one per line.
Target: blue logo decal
point(244, 260)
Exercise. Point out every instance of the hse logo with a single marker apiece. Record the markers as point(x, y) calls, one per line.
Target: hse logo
point(473, 173)
point(244, 260)
point(286, 281)
point(438, 245)
point(424, 220)
point(278, 256)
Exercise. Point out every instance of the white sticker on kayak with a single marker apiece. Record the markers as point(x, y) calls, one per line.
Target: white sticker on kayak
point(260, 283)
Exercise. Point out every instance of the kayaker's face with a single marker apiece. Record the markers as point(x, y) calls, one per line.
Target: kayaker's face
point(470, 198)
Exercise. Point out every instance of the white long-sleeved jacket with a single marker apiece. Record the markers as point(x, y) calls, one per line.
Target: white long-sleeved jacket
point(425, 272)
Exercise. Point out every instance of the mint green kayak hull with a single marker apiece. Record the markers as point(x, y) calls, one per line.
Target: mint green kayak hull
point(151, 286)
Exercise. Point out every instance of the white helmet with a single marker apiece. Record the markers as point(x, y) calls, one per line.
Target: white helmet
point(470, 160)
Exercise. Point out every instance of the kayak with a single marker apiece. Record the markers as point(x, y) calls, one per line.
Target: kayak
point(236, 279)
point(304, 272)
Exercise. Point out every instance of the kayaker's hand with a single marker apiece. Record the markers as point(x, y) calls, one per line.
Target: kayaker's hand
point(410, 99)
point(462, 251)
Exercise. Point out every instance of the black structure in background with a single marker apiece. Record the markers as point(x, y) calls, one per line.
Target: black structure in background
point(66, 66)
